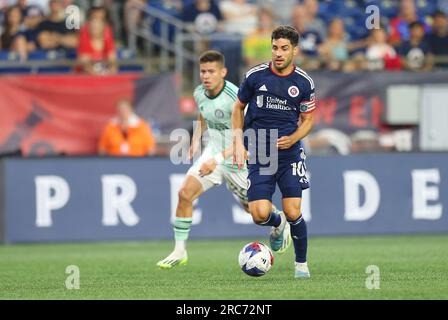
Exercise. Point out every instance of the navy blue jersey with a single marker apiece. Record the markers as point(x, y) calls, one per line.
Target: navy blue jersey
point(275, 102)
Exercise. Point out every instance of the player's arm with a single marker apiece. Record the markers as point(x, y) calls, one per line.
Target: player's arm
point(238, 150)
point(208, 166)
point(305, 127)
point(197, 135)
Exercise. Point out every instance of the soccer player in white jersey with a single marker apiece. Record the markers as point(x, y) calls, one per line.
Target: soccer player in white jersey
point(215, 98)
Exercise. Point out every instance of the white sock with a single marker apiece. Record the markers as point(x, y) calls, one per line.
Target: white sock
point(181, 245)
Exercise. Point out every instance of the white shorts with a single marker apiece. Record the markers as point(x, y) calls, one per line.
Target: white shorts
point(236, 181)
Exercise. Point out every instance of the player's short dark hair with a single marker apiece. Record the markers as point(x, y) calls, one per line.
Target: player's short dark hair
point(286, 32)
point(212, 56)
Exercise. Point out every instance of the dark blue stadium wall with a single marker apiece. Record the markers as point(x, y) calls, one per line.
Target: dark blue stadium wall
point(81, 199)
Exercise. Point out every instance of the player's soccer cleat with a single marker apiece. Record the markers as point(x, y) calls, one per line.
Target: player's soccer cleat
point(280, 238)
point(173, 260)
point(301, 271)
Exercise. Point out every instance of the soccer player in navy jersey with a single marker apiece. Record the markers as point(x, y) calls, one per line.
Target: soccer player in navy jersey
point(278, 95)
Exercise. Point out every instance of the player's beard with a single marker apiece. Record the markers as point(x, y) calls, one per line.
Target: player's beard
point(285, 65)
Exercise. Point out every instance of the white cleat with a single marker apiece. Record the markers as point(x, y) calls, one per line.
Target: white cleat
point(301, 271)
point(173, 260)
point(280, 238)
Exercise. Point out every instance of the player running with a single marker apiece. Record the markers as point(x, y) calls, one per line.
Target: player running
point(278, 94)
point(215, 98)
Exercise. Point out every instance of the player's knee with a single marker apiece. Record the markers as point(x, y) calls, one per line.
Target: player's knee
point(259, 215)
point(185, 196)
point(292, 214)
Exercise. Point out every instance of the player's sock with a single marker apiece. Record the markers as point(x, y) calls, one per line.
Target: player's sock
point(273, 220)
point(180, 246)
point(181, 231)
point(300, 238)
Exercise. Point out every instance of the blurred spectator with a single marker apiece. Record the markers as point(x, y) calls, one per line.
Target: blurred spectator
point(33, 18)
point(96, 12)
point(313, 22)
point(42, 4)
point(399, 26)
point(309, 42)
point(112, 10)
point(240, 16)
point(203, 16)
point(12, 37)
point(281, 9)
point(132, 16)
point(126, 134)
point(23, 4)
point(257, 45)
point(379, 54)
point(438, 39)
point(53, 33)
point(443, 5)
point(170, 7)
point(335, 50)
point(96, 51)
point(416, 53)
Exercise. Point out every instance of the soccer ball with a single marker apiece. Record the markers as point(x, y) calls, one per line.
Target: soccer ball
point(256, 259)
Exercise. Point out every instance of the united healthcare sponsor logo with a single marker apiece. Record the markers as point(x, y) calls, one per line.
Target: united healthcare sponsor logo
point(276, 103)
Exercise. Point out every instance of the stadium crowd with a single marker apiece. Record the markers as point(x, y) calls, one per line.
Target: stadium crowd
point(407, 35)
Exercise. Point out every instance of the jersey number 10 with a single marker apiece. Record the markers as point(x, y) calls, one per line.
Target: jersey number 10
point(298, 169)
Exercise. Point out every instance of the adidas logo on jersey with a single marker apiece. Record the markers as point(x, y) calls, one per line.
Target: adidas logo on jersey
point(263, 88)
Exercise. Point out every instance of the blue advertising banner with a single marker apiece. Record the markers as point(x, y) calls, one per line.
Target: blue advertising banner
point(84, 199)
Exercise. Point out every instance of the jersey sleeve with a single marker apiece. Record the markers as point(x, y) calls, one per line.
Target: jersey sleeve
point(246, 90)
point(308, 103)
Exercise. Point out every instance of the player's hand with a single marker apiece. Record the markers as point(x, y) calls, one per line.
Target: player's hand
point(239, 155)
point(194, 147)
point(207, 167)
point(285, 142)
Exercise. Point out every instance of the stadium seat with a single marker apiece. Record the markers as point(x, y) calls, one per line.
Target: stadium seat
point(6, 55)
point(425, 7)
point(37, 55)
point(15, 70)
point(54, 69)
point(125, 54)
point(389, 8)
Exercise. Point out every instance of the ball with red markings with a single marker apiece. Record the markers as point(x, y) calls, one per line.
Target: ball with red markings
point(256, 259)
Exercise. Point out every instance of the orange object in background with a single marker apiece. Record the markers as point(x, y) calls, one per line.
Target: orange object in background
point(136, 140)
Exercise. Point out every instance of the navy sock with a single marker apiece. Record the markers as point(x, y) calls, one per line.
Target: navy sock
point(300, 238)
point(273, 220)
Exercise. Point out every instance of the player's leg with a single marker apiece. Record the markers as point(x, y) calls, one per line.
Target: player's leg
point(260, 191)
point(291, 181)
point(193, 186)
point(291, 207)
point(191, 189)
point(237, 183)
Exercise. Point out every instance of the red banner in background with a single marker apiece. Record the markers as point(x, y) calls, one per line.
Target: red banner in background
point(65, 114)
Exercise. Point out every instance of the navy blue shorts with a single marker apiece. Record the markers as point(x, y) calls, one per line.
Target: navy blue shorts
point(290, 177)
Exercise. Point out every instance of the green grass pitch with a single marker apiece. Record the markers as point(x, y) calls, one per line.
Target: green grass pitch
point(411, 267)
